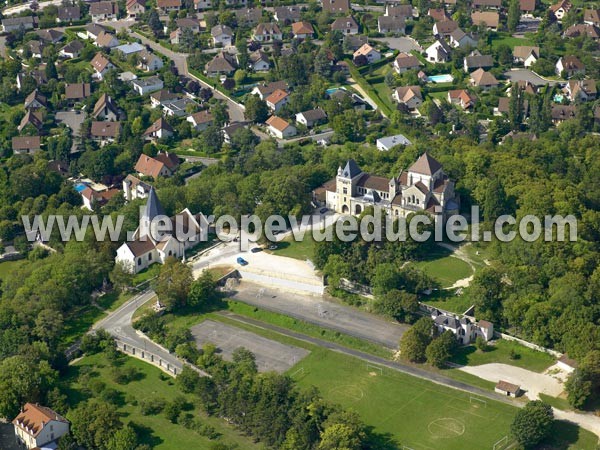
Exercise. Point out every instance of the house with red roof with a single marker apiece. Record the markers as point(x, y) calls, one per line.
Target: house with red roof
point(38, 426)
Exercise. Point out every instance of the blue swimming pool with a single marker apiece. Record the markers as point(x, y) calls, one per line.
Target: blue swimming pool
point(80, 187)
point(558, 98)
point(445, 78)
point(331, 90)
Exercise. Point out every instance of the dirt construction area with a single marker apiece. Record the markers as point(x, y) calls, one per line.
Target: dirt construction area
point(270, 355)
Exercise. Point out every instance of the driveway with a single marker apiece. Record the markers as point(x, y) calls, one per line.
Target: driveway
point(516, 75)
point(73, 120)
point(402, 44)
point(324, 313)
point(270, 355)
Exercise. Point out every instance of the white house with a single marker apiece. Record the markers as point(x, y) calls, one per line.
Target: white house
point(152, 244)
point(258, 61)
point(368, 52)
point(39, 427)
point(267, 32)
point(101, 65)
point(405, 62)
point(145, 86)
point(101, 11)
point(201, 120)
point(277, 100)
point(311, 117)
point(438, 52)
point(221, 35)
point(561, 9)
point(280, 128)
point(460, 39)
point(134, 188)
point(508, 389)
point(386, 143)
point(569, 66)
point(465, 329)
point(158, 130)
point(150, 62)
point(410, 96)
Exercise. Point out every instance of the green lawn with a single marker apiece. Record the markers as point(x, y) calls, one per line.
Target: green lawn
point(7, 267)
point(447, 300)
point(445, 268)
point(557, 402)
point(159, 433)
point(499, 352)
point(302, 250)
point(511, 41)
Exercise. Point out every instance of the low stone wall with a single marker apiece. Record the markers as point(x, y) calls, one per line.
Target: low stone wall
point(524, 343)
point(147, 356)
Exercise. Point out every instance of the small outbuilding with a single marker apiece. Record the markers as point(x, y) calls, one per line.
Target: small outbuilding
point(508, 389)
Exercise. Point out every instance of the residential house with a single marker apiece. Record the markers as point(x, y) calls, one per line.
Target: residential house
point(221, 35)
point(162, 165)
point(166, 6)
point(230, 130)
point(346, 25)
point(405, 62)
point(130, 49)
point(71, 50)
point(302, 30)
point(23, 145)
point(465, 329)
point(153, 245)
point(460, 39)
point(189, 22)
point(561, 9)
point(384, 144)
point(105, 132)
point(397, 10)
point(77, 92)
point(35, 101)
point(581, 90)
point(263, 91)
point(179, 107)
point(591, 17)
point(135, 8)
point(267, 32)
point(477, 61)
point(311, 117)
point(134, 188)
point(483, 80)
point(161, 98)
point(527, 6)
point(277, 100)
point(391, 24)
point(444, 28)
point(222, 64)
point(344, 97)
point(336, 6)
point(508, 389)
point(105, 109)
point(248, 17)
point(50, 36)
point(38, 426)
point(423, 187)
point(368, 52)
point(101, 65)
point(68, 14)
point(490, 19)
point(106, 40)
point(201, 120)
point(101, 11)
point(486, 4)
point(36, 48)
point(93, 30)
point(438, 52)
point(280, 128)
point(438, 14)
point(583, 29)
point(504, 107)
point(526, 54)
point(148, 85)
point(355, 41)
point(258, 61)
point(158, 130)
point(561, 113)
point(38, 75)
point(409, 96)
point(567, 364)
point(569, 66)
point(150, 62)
point(203, 4)
point(462, 98)
point(287, 14)
point(15, 23)
point(92, 198)
point(31, 121)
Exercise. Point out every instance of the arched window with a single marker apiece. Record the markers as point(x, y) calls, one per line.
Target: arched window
point(170, 252)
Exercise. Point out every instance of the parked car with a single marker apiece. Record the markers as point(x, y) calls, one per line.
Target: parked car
point(255, 249)
point(273, 247)
point(323, 210)
point(241, 261)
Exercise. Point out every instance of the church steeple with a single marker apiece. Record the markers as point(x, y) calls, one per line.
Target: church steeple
point(152, 209)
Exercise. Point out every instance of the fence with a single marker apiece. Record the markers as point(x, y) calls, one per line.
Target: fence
point(539, 348)
point(147, 356)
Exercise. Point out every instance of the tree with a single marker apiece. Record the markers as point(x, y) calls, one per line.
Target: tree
point(120, 277)
point(187, 380)
point(414, 342)
point(532, 423)
point(514, 15)
point(203, 291)
point(515, 106)
point(256, 109)
point(124, 439)
point(440, 349)
point(93, 424)
point(154, 22)
point(339, 437)
point(173, 283)
point(584, 383)
point(481, 344)
point(400, 305)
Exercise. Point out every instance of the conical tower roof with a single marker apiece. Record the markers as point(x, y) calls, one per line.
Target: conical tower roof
point(153, 207)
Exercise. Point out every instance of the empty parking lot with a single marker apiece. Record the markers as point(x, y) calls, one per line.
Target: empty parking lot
point(270, 355)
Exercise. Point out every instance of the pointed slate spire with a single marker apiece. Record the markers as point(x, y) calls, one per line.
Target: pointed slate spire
point(153, 207)
point(351, 170)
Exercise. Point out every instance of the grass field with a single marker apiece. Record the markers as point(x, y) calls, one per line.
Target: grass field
point(444, 268)
point(302, 250)
point(500, 353)
point(160, 433)
point(510, 41)
point(449, 301)
point(415, 413)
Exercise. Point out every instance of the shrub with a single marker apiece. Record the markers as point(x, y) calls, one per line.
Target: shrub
point(152, 406)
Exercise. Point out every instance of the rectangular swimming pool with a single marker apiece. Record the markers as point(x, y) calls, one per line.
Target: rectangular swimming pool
point(445, 78)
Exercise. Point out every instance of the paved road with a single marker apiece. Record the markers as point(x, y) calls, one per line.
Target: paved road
point(394, 365)
point(319, 311)
point(527, 75)
point(236, 111)
point(12, 10)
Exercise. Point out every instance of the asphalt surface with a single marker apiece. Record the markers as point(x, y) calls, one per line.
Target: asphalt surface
point(527, 75)
point(318, 311)
point(270, 355)
point(394, 365)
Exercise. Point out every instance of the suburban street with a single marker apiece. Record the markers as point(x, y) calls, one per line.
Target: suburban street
point(516, 75)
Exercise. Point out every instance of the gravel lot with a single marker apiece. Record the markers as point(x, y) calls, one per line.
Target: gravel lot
point(270, 355)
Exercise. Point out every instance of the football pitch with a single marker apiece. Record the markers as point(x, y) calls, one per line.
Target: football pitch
point(416, 414)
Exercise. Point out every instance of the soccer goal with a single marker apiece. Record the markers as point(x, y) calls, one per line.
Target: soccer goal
point(375, 369)
point(300, 372)
point(502, 444)
point(478, 402)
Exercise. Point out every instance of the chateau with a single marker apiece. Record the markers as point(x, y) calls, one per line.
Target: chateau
point(186, 232)
point(422, 187)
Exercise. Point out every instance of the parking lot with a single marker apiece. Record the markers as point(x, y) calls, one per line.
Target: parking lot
point(270, 355)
